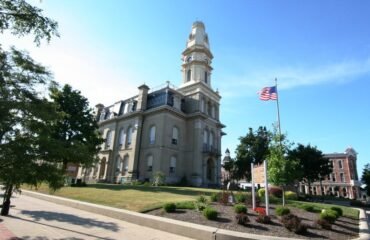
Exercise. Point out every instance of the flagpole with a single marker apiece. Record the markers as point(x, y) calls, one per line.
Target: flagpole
point(278, 111)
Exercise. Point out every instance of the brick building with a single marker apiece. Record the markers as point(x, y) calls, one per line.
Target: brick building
point(343, 181)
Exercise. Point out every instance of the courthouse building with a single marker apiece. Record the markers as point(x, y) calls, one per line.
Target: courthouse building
point(173, 130)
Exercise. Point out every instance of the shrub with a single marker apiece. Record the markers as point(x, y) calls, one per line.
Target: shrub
point(79, 184)
point(185, 205)
point(200, 206)
point(338, 210)
point(280, 211)
point(214, 197)
point(276, 192)
point(240, 208)
point(324, 224)
point(293, 224)
point(328, 215)
point(242, 218)
point(210, 213)
point(159, 179)
point(289, 195)
point(261, 192)
point(169, 207)
point(240, 197)
point(263, 219)
point(202, 199)
point(356, 203)
point(308, 207)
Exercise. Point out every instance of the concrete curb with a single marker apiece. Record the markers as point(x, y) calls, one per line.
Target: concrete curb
point(185, 229)
point(363, 226)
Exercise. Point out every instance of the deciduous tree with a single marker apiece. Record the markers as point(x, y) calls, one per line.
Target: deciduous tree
point(252, 148)
point(313, 166)
point(365, 178)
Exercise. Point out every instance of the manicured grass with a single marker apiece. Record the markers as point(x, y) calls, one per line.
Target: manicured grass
point(135, 198)
point(347, 211)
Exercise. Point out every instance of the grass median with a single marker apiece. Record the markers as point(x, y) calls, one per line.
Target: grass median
point(136, 198)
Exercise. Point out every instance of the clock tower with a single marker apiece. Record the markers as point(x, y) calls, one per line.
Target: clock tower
point(197, 57)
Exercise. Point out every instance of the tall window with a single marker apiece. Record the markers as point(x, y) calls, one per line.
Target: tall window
point(188, 75)
point(129, 136)
point(202, 105)
point(340, 164)
point(172, 164)
point(341, 177)
point(213, 111)
point(108, 140)
point(125, 165)
point(150, 163)
point(175, 135)
point(118, 165)
point(121, 139)
point(205, 139)
point(206, 77)
point(152, 135)
point(211, 139)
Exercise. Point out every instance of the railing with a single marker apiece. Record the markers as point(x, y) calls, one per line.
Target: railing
point(211, 150)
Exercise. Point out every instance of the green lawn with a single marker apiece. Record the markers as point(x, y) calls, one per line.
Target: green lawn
point(135, 198)
point(347, 211)
point(142, 198)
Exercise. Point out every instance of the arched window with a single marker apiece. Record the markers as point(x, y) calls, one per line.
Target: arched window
point(175, 135)
point(125, 165)
point(188, 75)
point(172, 164)
point(108, 139)
point(121, 138)
point(152, 135)
point(129, 136)
point(150, 163)
point(206, 77)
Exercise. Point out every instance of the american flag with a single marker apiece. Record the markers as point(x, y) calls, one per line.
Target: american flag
point(268, 93)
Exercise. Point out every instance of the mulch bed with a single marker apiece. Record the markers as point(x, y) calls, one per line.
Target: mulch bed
point(343, 228)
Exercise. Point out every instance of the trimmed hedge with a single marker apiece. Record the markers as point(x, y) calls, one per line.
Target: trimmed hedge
point(329, 215)
point(240, 208)
point(338, 210)
point(280, 211)
point(210, 213)
point(289, 195)
point(169, 207)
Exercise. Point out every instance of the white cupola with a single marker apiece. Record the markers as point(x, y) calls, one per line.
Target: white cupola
point(197, 57)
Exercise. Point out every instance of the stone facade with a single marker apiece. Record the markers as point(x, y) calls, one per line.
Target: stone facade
point(343, 181)
point(176, 131)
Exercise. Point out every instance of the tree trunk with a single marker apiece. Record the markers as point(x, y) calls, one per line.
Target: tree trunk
point(6, 200)
point(282, 189)
point(309, 188)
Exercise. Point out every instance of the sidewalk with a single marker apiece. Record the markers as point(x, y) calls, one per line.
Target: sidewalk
point(32, 219)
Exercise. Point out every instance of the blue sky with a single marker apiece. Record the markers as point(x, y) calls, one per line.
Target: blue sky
point(318, 50)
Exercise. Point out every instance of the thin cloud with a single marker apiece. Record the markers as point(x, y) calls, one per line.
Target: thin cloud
point(290, 77)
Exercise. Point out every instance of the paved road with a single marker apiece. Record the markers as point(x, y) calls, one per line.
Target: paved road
point(34, 219)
